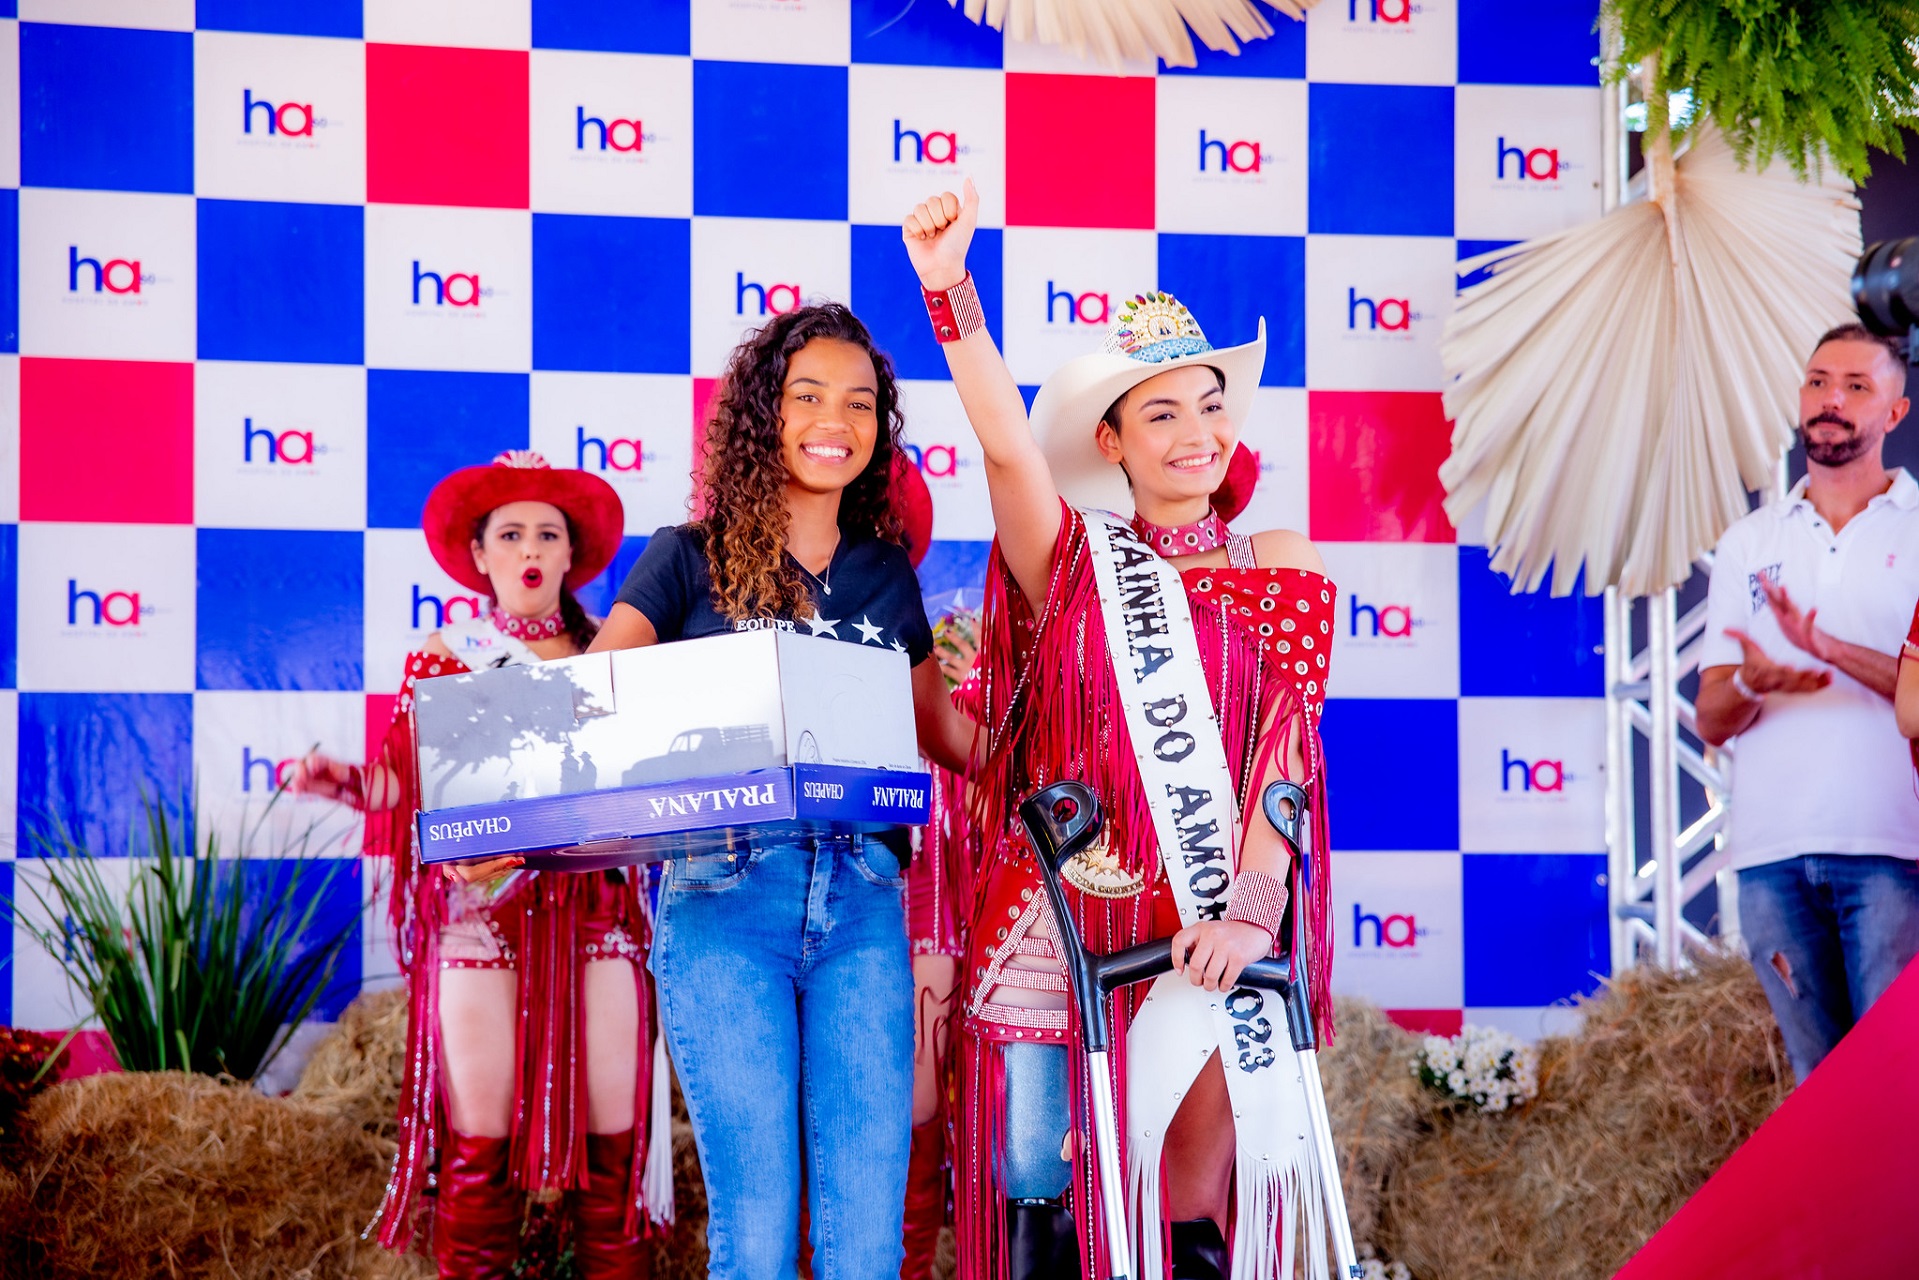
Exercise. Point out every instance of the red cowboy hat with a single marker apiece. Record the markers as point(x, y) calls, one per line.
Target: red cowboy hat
point(914, 501)
point(519, 475)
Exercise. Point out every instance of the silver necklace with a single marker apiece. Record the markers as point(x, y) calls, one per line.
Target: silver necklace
point(826, 585)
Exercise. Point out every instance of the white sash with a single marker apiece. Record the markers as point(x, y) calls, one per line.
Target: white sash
point(1189, 789)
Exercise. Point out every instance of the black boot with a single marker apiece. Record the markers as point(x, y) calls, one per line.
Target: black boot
point(1041, 1242)
point(1199, 1251)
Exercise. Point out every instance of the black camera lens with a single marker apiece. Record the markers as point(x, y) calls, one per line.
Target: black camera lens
point(1885, 287)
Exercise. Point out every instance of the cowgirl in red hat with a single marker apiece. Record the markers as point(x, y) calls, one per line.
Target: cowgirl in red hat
point(784, 982)
point(1177, 668)
point(527, 1002)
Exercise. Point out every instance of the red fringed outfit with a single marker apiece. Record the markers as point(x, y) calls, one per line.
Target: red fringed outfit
point(546, 927)
point(1053, 709)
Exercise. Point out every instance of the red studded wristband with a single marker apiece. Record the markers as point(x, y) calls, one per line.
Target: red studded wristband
point(1258, 899)
point(955, 312)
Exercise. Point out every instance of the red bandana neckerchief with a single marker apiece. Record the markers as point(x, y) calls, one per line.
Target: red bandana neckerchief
point(1204, 534)
point(527, 630)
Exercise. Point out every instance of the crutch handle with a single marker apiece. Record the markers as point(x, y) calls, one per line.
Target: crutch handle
point(1060, 820)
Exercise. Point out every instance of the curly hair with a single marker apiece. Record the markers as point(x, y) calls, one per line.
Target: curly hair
point(743, 521)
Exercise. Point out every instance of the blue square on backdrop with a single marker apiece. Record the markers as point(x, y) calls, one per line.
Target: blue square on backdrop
point(1526, 646)
point(103, 107)
point(588, 316)
point(88, 761)
point(298, 626)
point(1280, 56)
point(340, 886)
point(1397, 807)
point(747, 135)
point(953, 577)
point(922, 33)
point(886, 294)
point(1535, 926)
point(1380, 160)
point(1464, 249)
point(597, 596)
point(631, 26)
point(9, 626)
point(1528, 42)
point(282, 282)
point(281, 17)
point(9, 269)
point(1232, 281)
point(422, 425)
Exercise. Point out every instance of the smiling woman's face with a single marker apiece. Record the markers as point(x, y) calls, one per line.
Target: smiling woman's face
point(525, 552)
point(1174, 438)
point(829, 415)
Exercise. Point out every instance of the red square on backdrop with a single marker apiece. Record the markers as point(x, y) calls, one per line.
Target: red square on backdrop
point(1374, 458)
point(379, 718)
point(1429, 1022)
point(705, 393)
point(106, 441)
point(446, 126)
point(1079, 151)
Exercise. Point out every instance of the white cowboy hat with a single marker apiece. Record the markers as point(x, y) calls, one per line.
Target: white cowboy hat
point(1152, 334)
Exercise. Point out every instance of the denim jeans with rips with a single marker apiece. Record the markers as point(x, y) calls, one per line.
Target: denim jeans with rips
point(787, 997)
point(1827, 933)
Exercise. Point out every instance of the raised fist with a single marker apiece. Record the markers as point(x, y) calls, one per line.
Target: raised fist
point(938, 233)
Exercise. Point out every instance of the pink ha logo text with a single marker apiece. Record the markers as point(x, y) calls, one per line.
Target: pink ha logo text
point(768, 299)
point(928, 148)
point(455, 289)
point(1234, 157)
point(612, 135)
point(430, 612)
point(936, 461)
point(1394, 314)
point(1534, 775)
point(620, 454)
point(1394, 621)
point(276, 772)
point(116, 275)
point(288, 120)
point(1392, 12)
point(290, 448)
point(108, 609)
point(1389, 931)
point(1540, 164)
point(1081, 308)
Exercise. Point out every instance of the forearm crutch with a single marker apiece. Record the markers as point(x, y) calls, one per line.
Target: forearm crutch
point(1064, 819)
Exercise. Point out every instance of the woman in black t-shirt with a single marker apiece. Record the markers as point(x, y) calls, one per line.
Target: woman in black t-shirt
point(784, 983)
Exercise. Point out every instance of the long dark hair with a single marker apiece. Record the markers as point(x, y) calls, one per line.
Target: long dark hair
point(580, 626)
point(744, 520)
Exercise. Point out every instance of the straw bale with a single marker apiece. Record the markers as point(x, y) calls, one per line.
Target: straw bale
point(1668, 1075)
point(355, 1072)
point(1375, 1102)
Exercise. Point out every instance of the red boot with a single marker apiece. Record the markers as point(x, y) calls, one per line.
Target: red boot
point(925, 1199)
point(476, 1216)
point(602, 1249)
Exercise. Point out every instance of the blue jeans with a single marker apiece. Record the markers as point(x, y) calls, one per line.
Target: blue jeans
point(1827, 934)
point(787, 997)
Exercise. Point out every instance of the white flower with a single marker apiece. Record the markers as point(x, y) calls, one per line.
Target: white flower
point(1485, 1066)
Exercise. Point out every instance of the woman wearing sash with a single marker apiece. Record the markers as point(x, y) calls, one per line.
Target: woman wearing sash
point(527, 1004)
point(1177, 668)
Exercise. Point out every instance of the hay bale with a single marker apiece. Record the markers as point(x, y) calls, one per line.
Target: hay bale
point(1375, 1103)
point(170, 1174)
point(355, 1072)
point(1669, 1074)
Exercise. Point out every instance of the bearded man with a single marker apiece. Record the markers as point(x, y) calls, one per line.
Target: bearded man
point(1807, 612)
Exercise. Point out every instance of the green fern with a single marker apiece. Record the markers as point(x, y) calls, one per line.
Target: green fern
point(1814, 81)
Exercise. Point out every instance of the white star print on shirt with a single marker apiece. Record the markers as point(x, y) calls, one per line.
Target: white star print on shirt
point(824, 626)
point(898, 647)
point(869, 634)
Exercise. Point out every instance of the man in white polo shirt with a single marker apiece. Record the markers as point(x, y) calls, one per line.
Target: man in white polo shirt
point(1808, 608)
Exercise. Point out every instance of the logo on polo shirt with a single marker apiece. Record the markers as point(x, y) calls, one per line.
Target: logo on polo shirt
point(1755, 583)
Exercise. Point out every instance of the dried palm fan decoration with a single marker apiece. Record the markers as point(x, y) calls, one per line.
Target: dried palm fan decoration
point(1115, 30)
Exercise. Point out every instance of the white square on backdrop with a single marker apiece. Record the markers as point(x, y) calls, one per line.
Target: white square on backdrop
point(9, 441)
point(1063, 286)
point(1052, 59)
point(107, 608)
point(1532, 775)
point(1231, 155)
point(9, 777)
point(279, 446)
point(43, 998)
point(379, 970)
point(611, 133)
point(1276, 435)
point(917, 131)
point(1399, 929)
point(279, 118)
point(941, 443)
point(1375, 309)
point(469, 24)
point(819, 31)
point(154, 15)
point(1526, 160)
point(1396, 621)
point(748, 270)
point(107, 275)
point(633, 430)
point(408, 598)
point(449, 288)
point(245, 744)
point(10, 93)
point(1383, 41)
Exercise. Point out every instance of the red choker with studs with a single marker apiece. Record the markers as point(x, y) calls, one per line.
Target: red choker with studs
point(1205, 534)
point(528, 629)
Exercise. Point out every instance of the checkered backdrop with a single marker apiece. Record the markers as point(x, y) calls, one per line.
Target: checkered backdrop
point(272, 267)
